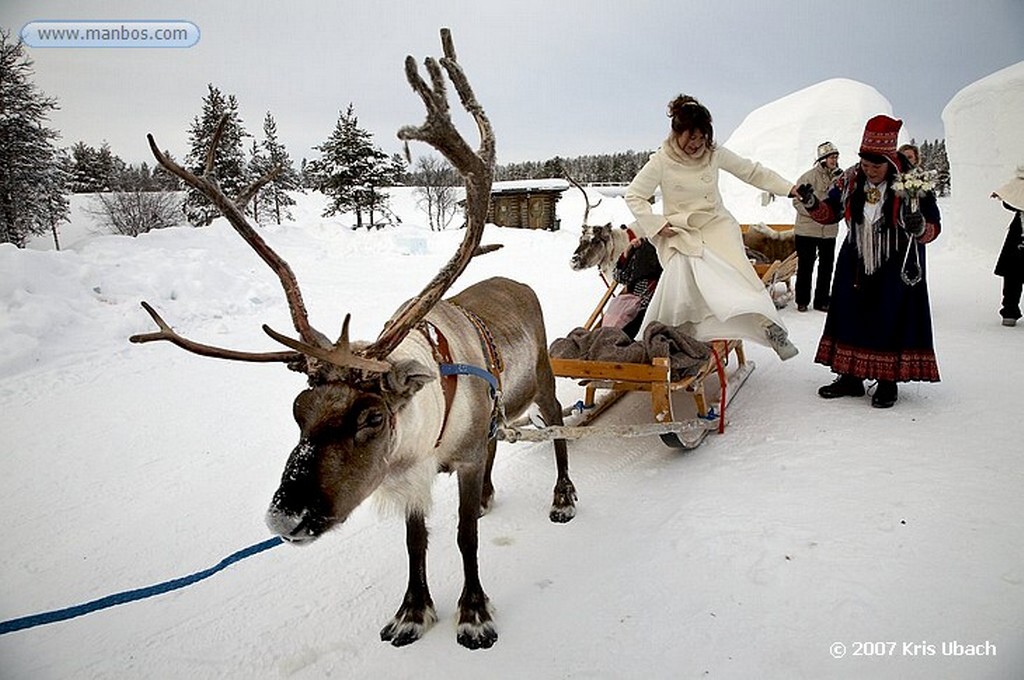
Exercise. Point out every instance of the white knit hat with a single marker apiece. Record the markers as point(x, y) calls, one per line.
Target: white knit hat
point(1012, 193)
point(826, 149)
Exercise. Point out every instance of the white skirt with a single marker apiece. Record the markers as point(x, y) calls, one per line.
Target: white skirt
point(711, 300)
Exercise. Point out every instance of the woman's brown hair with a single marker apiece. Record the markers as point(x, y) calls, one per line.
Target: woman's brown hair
point(689, 114)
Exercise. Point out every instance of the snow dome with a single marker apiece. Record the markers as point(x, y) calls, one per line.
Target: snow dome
point(984, 143)
point(784, 135)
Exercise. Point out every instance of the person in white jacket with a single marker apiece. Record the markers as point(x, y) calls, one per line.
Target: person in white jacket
point(708, 286)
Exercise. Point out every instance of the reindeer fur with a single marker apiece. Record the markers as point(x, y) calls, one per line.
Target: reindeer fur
point(770, 244)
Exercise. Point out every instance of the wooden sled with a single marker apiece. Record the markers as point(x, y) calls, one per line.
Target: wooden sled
point(779, 272)
point(727, 368)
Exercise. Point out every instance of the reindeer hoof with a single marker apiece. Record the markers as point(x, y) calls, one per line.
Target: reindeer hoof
point(477, 635)
point(476, 623)
point(563, 504)
point(562, 515)
point(408, 627)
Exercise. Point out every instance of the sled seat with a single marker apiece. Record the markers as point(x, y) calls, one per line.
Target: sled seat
point(655, 378)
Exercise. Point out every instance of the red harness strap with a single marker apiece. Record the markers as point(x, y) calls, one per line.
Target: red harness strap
point(442, 355)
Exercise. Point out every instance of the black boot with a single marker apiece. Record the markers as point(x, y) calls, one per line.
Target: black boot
point(885, 394)
point(843, 386)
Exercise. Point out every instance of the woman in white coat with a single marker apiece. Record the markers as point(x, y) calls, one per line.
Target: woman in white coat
point(708, 285)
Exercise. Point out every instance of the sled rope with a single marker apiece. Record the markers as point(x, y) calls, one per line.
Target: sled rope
point(133, 595)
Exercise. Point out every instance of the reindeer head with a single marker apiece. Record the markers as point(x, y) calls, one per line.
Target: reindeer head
point(595, 246)
point(348, 417)
point(348, 432)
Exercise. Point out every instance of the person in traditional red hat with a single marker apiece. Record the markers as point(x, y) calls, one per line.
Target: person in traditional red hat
point(879, 324)
point(1010, 264)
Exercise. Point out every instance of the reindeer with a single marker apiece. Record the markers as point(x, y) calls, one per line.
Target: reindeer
point(603, 247)
point(384, 417)
point(765, 245)
point(598, 246)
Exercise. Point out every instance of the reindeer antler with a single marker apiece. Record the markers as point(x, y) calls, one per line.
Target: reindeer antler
point(233, 211)
point(438, 130)
point(476, 167)
point(586, 201)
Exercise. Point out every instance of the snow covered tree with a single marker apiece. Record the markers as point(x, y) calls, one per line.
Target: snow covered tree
point(164, 180)
point(33, 171)
point(437, 190)
point(229, 167)
point(938, 161)
point(94, 170)
point(259, 165)
point(275, 194)
point(352, 171)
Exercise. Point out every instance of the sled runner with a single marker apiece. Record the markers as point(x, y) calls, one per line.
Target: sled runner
point(710, 389)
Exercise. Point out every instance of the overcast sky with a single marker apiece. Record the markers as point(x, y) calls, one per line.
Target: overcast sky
point(556, 77)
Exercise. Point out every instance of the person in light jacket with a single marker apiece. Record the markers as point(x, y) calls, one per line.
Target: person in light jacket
point(815, 241)
point(1010, 264)
point(708, 286)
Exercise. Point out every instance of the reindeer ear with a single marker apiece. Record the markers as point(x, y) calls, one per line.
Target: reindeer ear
point(406, 378)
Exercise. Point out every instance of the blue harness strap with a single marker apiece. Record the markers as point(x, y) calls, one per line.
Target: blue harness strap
point(468, 369)
point(477, 372)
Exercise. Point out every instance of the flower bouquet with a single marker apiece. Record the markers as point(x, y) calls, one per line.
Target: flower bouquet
point(913, 184)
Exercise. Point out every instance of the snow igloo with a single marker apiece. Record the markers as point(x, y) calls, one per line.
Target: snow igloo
point(784, 135)
point(985, 144)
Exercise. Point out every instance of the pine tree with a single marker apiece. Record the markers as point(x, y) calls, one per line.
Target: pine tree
point(352, 171)
point(288, 179)
point(259, 165)
point(229, 167)
point(95, 170)
point(939, 162)
point(33, 171)
point(163, 179)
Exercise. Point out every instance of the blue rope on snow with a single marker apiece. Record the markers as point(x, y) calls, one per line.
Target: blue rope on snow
point(132, 595)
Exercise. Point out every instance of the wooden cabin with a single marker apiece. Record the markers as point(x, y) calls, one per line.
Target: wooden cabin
point(526, 204)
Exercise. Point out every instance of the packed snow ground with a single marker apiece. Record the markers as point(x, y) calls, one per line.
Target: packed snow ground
point(807, 523)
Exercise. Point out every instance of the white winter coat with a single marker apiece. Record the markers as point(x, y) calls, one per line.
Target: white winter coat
point(692, 204)
point(708, 286)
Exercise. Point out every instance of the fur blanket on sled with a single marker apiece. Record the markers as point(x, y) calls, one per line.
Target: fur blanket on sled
point(685, 354)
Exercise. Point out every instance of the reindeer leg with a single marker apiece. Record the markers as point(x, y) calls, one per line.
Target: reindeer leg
point(487, 493)
point(476, 626)
point(417, 613)
point(563, 502)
